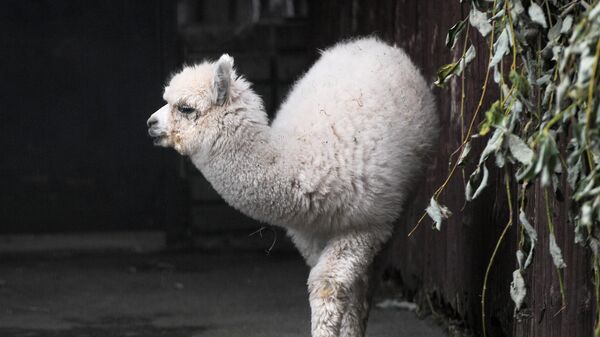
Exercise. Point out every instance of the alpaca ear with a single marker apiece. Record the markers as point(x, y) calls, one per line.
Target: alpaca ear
point(222, 79)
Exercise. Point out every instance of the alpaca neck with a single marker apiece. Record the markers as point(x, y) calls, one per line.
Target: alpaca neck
point(246, 166)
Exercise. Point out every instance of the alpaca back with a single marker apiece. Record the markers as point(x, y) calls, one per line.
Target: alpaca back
point(362, 121)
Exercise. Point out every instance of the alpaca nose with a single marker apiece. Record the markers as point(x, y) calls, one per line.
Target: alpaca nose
point(151, 121)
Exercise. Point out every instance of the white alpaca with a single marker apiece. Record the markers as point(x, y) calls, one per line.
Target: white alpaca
point(334, 168)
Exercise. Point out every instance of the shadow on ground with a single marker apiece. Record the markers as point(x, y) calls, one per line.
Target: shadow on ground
point(237, 294)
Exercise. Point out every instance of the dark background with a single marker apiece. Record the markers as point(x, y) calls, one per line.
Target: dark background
point(79, 80)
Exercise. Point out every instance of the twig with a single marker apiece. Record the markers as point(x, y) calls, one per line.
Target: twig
point(498, 243)
point(588, 111)
point(551, 232)
point(440, 189)
point(259, 231)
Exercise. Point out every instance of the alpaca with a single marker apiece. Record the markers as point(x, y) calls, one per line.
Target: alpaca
point(334, 168)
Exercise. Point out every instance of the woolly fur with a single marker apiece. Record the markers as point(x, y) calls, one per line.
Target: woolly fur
point(334, 168)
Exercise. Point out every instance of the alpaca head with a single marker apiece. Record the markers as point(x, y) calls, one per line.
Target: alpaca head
point(195, 98)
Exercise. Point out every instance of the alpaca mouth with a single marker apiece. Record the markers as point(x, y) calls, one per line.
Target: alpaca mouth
point(158, 140)
point(157, 137)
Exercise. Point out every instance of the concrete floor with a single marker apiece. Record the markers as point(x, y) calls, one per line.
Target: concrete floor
point(174, 295)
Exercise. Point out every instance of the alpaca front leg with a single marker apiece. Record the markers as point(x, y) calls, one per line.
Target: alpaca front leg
point(342, 264)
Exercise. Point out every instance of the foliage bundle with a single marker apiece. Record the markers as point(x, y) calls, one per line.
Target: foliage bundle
point(544, 127)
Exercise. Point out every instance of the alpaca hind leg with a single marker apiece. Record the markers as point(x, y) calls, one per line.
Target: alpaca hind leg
point(354, 322)
point(344, 261)
point(355, 319)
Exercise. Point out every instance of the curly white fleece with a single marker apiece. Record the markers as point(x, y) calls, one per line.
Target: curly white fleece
point(334, 168)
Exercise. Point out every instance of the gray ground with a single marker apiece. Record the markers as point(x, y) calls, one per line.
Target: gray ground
point(174, 295)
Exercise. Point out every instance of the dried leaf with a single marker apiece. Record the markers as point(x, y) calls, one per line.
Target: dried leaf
point(479, 20)
point(531, 235)
point(520, 258)
point(395, 304)
point(595, 246)
point(497, 75)
point(562, 89)
point(475, 179)
point(464, 61)
point(543, 80)
point(554, 31)
point(567, 24)
point(500, 48)
point(573, 173)
point(464, 154)
point(517, 289)
point(594, 12)
point(586, 214)
point(438, 213)
point(500, 159)
point(556, 253)
point(537, 14)
point(519, 149)
point(586, 66)
point(517, 8)
point(493, 145)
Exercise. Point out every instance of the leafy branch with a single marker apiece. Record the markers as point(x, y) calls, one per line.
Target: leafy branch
point(545, 124)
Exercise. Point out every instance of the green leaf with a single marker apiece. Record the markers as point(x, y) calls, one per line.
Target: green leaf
point(520, 83)
point(438, 213)
point(454, 32)
point(493, 116)
point(446, 72)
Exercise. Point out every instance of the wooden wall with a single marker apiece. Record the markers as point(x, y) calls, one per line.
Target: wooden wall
point(447, 268)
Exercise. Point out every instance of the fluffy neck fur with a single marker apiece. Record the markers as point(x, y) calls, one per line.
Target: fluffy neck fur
point(244, 161)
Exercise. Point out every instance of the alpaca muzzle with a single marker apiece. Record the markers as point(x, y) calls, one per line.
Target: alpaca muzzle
point(157, 126)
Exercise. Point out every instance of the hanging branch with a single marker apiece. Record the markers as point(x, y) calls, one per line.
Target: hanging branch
point(551, 92)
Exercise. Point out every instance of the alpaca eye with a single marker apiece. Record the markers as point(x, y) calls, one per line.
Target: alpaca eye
point(185, 109)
